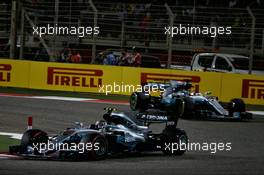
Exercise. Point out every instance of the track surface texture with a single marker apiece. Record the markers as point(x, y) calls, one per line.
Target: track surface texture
point(245, 157)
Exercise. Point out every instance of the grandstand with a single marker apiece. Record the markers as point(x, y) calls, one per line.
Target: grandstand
point(124, 24)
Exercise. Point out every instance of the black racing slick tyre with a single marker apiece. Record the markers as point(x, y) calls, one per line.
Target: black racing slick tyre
point(139, 101)
point(237, 105)
point(179, 107)
point(99, 150)
point(174, 141)
point(33, 137)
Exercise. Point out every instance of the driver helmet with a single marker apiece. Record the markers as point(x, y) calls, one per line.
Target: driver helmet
point(100, 124)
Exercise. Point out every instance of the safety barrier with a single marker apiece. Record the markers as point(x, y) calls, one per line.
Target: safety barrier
point(90, 78)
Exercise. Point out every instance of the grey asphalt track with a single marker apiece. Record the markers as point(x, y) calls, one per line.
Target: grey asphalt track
point(245, 157)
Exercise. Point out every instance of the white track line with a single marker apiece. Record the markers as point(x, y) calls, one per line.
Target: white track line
point(47, 97)
point(257, 113)
point(8, 156)
point(64, 98)
point(12, 135)
point(61, 98)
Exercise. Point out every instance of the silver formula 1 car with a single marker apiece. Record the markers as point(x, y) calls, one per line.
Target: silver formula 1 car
point(117, 133)
point(177, 99)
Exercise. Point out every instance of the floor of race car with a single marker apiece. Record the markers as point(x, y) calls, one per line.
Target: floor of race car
point(245, 157)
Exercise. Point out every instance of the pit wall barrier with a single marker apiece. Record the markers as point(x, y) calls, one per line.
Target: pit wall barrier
point(89, 78)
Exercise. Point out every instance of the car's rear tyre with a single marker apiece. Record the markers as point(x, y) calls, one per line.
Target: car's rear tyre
point(238, 105)
point(99, 150)
point(139, 101)
point(179, 107)
point(33, 137)
point(174, 141)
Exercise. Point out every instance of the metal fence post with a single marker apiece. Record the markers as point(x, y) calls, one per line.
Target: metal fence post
point(252, 38)
point(22, 26)
point(13, 33)
point(95, 25)
point(123, 33)
point(171, 16)
point(54, 50)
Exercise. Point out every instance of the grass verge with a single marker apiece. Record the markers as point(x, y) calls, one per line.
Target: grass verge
point(6, 141)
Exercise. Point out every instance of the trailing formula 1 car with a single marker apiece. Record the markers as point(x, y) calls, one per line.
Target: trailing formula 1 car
point(118, 133)
point(176, 98)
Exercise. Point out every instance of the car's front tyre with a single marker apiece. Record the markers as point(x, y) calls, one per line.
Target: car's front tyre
point(139, 101)
point(174, 141)
point(33, 138)
point(99, 150)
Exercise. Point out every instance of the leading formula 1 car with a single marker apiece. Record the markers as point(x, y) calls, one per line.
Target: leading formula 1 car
point(118, 133)
point(177, 98)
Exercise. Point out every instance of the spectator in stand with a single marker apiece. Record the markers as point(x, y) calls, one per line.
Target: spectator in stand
point(41, 54)
point(35, 3)
point(125, 58)
point(75, 57)
point(65, 54)
point(137, 57)
point(110, 59)
point(139, 8)
point(122, 13)
point(130, 9)
point(232, 3)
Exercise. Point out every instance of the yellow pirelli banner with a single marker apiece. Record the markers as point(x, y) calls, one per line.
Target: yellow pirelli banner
point(123, 80)
point(14, 73)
